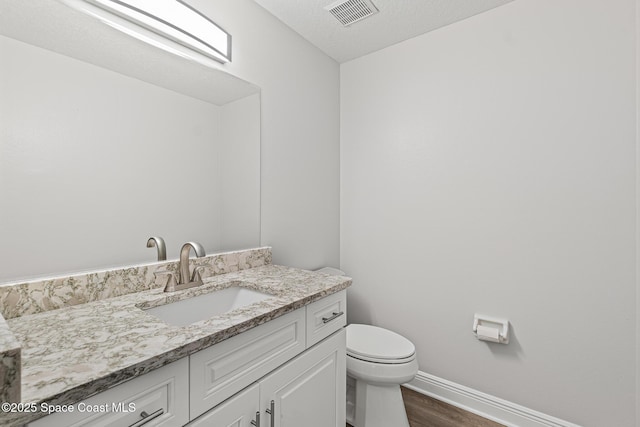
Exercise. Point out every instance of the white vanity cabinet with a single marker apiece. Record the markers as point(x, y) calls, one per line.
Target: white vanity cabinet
point(224, 369)
point(307, 391)
point(297, 361)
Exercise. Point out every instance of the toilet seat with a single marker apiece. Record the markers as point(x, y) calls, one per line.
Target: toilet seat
point(378, 345)
point(378, 361)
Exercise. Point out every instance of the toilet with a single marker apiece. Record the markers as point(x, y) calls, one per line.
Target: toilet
point(378, 361)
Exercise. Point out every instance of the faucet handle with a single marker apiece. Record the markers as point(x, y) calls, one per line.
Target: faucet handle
point(166, 278)
point(197, 274)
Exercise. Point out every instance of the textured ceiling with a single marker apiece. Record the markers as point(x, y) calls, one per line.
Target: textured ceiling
point(397, 20)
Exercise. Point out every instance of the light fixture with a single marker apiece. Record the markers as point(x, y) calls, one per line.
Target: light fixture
point(171, 25)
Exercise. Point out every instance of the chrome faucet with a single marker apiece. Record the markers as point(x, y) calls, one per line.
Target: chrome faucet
point(185, 280)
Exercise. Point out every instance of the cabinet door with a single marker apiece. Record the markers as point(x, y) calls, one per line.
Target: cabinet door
point(237, 411)
point(309, 391)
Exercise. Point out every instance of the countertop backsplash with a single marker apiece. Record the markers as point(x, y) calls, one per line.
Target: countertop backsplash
point(37, 296)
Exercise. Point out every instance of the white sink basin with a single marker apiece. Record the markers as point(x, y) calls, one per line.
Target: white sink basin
point(194, 309)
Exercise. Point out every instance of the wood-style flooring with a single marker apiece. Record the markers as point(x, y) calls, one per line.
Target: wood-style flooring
point(424, 411)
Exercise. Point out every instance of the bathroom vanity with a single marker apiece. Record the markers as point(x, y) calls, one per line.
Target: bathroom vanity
point(279, 361)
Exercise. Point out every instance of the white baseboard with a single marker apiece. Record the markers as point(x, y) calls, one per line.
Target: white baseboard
point(485, 405)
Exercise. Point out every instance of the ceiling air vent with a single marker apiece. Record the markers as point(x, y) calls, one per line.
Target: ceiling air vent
point(350, 11)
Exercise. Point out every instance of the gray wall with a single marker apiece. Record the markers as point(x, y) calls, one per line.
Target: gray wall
point(489, 167)
point(300, 131)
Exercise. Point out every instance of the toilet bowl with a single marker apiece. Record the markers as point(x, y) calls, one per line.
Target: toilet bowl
point(378, 361)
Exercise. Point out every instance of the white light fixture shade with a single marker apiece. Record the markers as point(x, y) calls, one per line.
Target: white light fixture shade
point(171, 25)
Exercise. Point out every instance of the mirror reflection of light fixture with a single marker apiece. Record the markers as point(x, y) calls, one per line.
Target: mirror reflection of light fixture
point(171, 25)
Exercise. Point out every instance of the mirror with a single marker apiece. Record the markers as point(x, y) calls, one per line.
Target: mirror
point(106, 141)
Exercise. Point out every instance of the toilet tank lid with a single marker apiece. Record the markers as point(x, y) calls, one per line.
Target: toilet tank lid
point(372, 342)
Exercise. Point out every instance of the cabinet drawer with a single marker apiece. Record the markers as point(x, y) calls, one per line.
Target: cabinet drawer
point(163, 395)
point(326, 316)
point(227, 367)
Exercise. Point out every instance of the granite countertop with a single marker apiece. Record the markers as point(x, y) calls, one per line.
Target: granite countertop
point(71, 353)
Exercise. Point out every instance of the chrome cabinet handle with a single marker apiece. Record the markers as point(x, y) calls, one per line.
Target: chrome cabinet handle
point(334, 316)
point(147, 417)
point(256, 422)
point(272, 411)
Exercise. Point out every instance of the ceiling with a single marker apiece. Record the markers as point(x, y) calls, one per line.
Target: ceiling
point(397, 20)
